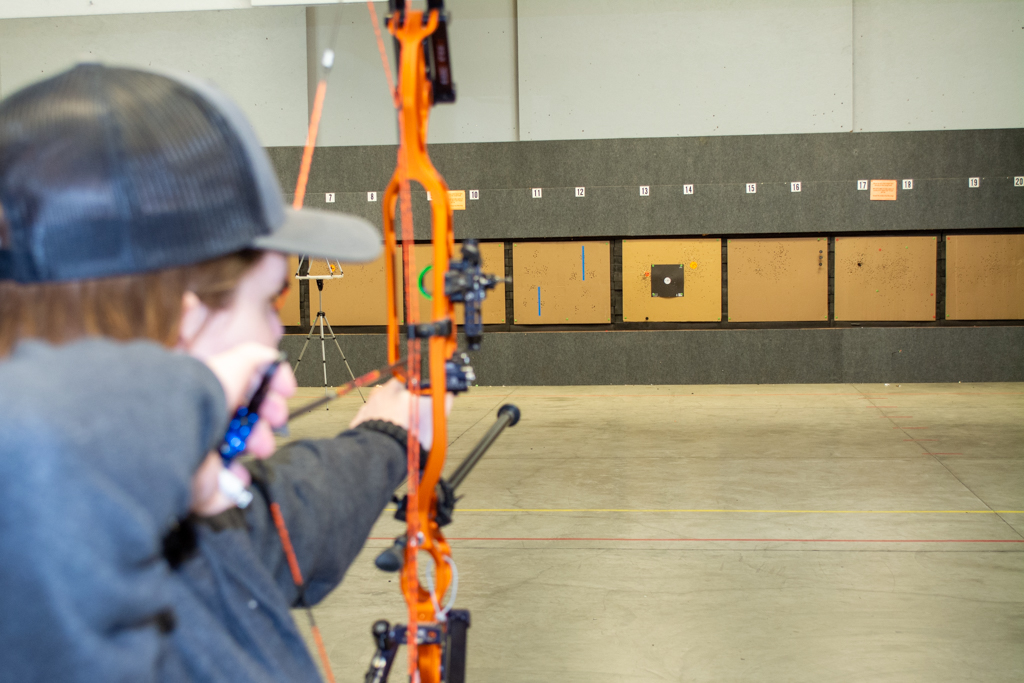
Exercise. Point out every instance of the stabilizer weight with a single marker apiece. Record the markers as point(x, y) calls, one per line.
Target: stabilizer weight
point(452, 635)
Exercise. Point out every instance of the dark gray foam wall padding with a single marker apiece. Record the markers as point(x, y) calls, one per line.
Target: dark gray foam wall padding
point(762, 356)
point(828, 166)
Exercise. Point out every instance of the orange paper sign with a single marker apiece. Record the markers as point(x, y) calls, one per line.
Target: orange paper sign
point(457, 198)
point(884, 190)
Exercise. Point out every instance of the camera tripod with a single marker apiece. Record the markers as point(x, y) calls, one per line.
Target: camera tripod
point(321, 320)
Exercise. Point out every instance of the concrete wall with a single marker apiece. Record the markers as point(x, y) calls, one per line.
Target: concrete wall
point(575, 69)
point(652, 68)
point(661, 68)
point(934, 65)
point(17, 9)
point(580, 69)
point(258, 56)
point(359, 110)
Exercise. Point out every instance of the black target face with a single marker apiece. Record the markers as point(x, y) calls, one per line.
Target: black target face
point(667, 280)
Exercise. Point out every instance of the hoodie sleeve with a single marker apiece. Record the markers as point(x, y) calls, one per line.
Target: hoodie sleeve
point(98, 445)
point(330, 492)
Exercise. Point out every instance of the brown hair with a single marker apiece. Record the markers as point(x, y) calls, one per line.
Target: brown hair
point(141, 306)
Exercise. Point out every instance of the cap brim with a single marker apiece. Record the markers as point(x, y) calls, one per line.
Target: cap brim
point(324, 234)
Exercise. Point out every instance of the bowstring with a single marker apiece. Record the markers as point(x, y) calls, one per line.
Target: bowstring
point(325, 66)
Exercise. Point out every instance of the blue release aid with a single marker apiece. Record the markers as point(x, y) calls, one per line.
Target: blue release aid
point(246, 417)
point(583, 261)
point(239, 429)
point(538, 301)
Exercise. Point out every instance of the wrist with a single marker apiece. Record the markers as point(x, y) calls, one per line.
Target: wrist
point(399, 434)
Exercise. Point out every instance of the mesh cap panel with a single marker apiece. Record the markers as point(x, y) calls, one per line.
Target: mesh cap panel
point(107, 171)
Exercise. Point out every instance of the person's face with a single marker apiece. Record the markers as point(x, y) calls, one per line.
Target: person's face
point(250, 316)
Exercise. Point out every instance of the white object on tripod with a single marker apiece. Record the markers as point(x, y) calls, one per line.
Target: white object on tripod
point(320, 269)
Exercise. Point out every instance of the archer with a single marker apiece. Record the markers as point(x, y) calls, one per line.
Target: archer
point(141, 207)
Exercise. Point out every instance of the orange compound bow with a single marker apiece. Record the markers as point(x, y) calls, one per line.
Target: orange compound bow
point(411, 29)
point(414, 98)
point(436, 634)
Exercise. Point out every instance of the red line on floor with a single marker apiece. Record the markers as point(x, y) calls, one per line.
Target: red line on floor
point(920, 439)
point(944, 453)
point(910, 428)
point(941, 393)
point(670, 395)
point(893, 417)
point(736, 540)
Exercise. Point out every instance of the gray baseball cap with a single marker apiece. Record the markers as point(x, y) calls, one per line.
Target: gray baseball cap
point(111, 171)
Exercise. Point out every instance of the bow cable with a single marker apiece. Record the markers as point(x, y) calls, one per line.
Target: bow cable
point(312, 132)
point(413, 532)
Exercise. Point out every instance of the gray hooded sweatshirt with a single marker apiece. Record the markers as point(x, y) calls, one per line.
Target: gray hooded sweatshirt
point(103, 574)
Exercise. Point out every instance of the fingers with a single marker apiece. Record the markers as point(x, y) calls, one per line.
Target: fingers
point(389, 402)
point(283, 382)
point(261, 443)
point(274, 410)
point(273, 413)
point(243, 474)
point(207, 499)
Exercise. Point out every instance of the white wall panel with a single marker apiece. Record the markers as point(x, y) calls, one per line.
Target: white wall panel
point(257, 56)
point(569, 69)
point(483, 43)
point(932, 65)
point(653, 68)
point(358, 110)
point(13, 9)
point(16, 9)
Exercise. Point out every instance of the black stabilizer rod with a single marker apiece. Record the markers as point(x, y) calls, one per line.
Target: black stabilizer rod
point(391, 559)
point(508, 416)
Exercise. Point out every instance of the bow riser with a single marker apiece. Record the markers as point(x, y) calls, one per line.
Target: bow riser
point(410, 30)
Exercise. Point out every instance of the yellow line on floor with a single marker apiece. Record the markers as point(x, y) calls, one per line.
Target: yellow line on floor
point(816, 512)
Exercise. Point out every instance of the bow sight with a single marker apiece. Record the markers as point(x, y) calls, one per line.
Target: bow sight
point(466, 284)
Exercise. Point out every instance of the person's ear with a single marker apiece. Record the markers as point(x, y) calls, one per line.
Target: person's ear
point(194, 314)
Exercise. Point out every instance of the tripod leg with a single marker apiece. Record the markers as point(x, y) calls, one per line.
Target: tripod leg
point(303, 351)
point(335, 338)
point(323, 348)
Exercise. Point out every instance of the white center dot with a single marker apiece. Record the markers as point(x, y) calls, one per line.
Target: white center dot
point(668, 281)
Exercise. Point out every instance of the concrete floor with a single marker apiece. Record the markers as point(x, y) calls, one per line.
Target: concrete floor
point(725, 533)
